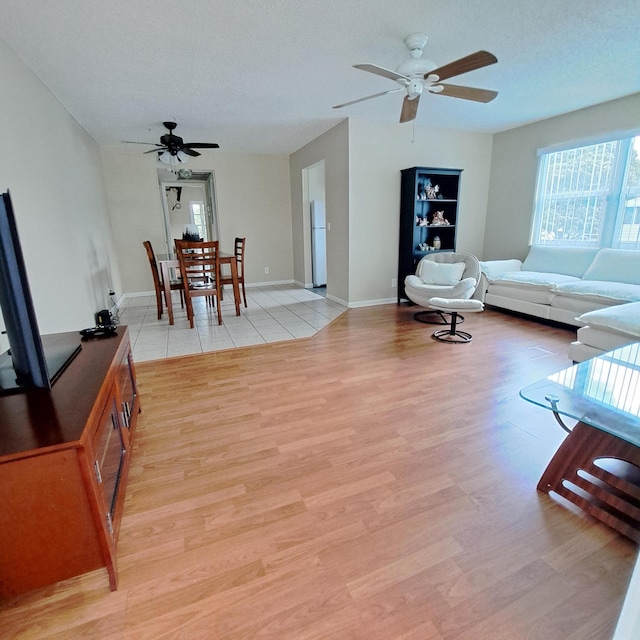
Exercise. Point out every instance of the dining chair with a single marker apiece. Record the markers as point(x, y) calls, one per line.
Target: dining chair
point(158, 283)
point(239, 254)
point(200, 271)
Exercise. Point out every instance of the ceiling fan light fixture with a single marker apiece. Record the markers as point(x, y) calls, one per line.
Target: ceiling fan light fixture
point(173, 159)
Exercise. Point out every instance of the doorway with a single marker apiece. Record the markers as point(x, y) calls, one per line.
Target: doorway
point(318, 226)
point(189, 206)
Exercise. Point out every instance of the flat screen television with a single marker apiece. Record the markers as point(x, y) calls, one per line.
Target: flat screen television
point(27, 363)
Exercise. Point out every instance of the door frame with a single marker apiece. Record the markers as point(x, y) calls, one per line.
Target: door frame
point(205, 179)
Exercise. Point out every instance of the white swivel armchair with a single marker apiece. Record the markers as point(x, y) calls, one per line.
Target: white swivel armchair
point(445, 274)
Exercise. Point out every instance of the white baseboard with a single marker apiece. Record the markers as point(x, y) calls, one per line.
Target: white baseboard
point(371, 303)
point(271, 283)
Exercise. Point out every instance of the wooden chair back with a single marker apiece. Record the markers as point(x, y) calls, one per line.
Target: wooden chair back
point(157, 283)
point(200, 269)
point(238, 251)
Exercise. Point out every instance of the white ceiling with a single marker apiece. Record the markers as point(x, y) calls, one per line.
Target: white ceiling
point(261, 75)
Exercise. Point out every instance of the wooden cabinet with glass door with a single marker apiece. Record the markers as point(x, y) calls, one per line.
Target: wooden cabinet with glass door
point(64, 460)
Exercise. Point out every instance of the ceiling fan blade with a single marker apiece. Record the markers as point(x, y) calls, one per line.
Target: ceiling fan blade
point(190, 152)
point(409, 109)
point(375, 95)
point(202, 145)
point(471, 62)
point(381, 71)
point(132, 142)
point(466, 93)
point(158, 149)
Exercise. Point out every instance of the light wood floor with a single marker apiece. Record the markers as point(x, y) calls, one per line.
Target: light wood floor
point(367, 483)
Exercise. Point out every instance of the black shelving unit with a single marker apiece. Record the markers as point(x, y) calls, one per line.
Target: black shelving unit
point(428, 216)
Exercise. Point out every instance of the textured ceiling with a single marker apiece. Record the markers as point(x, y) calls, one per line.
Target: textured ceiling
point(261, 75)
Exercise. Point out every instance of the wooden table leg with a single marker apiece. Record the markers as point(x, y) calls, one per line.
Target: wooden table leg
point(600, 473)
point(166, 280)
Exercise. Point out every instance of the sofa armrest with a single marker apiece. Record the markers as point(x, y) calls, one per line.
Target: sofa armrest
point(494, 269)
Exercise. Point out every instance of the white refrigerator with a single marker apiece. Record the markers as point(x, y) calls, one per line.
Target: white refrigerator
point(318, 244)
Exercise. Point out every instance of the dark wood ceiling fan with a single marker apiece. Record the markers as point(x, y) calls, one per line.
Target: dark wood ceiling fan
point(174, 145)
point(417, 74)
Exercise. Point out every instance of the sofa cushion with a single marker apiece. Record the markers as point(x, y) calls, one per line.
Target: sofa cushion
point(575, 305)
point(600, 291)
point(615, 265)
point(441, 273)
point(533, 279)
point(624, 318)
point(536, 295)
point(570, 261)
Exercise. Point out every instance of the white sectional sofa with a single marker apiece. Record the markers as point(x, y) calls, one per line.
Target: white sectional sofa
point(596, 290)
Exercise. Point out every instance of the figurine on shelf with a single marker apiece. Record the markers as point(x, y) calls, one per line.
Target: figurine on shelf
point(423, 189)
point(439, 219)
point(432, 192)
point(423, 222)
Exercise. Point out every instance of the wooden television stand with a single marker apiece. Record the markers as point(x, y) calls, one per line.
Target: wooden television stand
point(64, 459)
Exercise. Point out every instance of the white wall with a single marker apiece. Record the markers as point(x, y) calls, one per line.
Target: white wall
point(363, 199)
point(378, 152)
point(252, 194)
point(52, 168)
point(514, 165)
point(332, 147)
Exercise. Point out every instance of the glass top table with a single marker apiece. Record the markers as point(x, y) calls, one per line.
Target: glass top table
point(597, 466)
point(603, 392)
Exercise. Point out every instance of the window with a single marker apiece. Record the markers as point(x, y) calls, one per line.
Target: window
point(589, 196)
point(199, 218)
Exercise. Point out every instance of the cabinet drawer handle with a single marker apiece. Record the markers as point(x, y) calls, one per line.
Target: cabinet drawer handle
point(127, 412)
point(98, 474)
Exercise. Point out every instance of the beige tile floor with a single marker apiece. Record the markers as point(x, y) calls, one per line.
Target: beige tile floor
point(274, 313)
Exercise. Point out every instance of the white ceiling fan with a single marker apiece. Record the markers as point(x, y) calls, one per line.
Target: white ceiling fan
point(417, 74)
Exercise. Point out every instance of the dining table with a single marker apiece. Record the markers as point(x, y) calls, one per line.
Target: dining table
point(168, 262)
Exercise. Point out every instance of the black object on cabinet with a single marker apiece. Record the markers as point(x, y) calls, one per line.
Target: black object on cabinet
point(428, 216)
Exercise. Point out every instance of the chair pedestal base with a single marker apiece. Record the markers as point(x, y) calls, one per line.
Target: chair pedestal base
point(435, 316)
point(451, 334)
